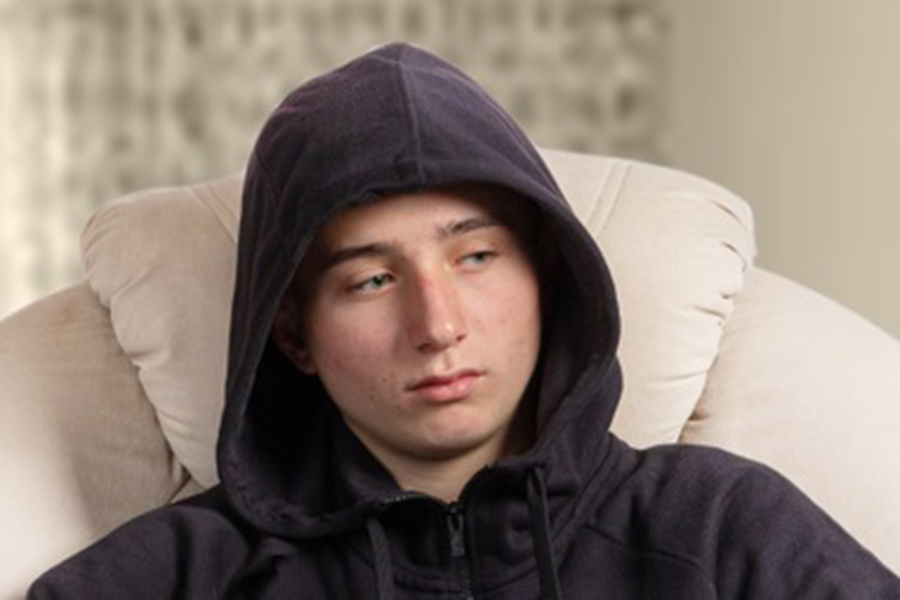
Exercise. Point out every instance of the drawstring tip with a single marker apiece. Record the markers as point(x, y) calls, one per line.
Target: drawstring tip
point(538, 504)
point(381, 551)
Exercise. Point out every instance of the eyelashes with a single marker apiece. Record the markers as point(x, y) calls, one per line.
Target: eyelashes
point(372, 284)
point(470, 262)
point(479, 258)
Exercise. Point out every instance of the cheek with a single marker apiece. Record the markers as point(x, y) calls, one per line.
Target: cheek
point(514, 306)
point(349, 369)
point(346, 347)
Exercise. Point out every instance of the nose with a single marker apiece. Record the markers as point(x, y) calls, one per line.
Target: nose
point(436, 316)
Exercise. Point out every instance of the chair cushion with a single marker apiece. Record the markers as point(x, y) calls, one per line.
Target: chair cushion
point(826, 410)
point(677, 245)
point(80, 451)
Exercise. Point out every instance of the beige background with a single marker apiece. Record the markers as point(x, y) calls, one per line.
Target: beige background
point(794, 105)
point(791, 103)
point(102, 97)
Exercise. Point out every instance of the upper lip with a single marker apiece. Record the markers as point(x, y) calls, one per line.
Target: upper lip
point(442, 379)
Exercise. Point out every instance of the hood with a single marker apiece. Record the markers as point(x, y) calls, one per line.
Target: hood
point(395, 120)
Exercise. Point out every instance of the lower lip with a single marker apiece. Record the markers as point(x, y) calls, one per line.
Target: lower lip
point(457, 389)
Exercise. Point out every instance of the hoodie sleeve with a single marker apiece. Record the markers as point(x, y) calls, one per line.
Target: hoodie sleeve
point(183, 551)
point(775, 542)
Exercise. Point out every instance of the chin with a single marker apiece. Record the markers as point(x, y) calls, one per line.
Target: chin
point(453, 446)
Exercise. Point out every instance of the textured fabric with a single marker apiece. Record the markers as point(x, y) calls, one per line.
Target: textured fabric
point(162, 261)
point(825, 414)
point(678, 248)
point(579, 514)
point(80, 450)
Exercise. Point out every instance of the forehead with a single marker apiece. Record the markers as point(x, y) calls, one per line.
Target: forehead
point(383, 220)
point(408, 215)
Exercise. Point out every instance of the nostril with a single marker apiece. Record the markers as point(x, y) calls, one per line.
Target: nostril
point(439, 337)
point(436, 316)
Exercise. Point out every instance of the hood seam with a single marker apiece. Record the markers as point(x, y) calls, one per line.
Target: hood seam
point(412, 122)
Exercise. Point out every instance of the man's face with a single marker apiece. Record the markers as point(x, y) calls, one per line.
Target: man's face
point(422, 319)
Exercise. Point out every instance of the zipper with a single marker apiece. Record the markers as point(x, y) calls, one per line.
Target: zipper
point(456, 526)
point(453, 512)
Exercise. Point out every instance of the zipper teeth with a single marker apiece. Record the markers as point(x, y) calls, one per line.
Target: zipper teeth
point(387, 502)
point(456, 528)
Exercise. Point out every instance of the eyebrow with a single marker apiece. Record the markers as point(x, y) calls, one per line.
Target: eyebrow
point(444, 232)
point(458, 228)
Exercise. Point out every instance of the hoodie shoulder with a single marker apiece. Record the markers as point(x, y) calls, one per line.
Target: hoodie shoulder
point(183, 550)
point(746, 527)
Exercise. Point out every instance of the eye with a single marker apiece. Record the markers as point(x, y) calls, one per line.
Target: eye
point(373, 283)
point(482, 257)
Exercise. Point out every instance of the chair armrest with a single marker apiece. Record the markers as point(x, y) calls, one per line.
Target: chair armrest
point(812, 389)
point(80, 448)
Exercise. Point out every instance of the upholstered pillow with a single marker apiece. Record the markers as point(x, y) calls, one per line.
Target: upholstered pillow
point(163, 262)
point(678, 247)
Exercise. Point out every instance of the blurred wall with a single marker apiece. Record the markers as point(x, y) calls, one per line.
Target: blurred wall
point(102, 97)
point(794, 105)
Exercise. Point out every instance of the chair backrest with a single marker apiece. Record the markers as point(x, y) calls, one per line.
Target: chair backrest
point(113, 389)
point(162, 262)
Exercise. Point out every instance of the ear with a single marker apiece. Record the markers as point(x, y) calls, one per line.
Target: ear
point(287, 335)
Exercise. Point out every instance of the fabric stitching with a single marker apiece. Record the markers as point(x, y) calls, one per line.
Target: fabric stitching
point(412, 120)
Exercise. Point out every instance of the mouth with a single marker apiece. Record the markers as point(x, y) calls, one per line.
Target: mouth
point(452, 386)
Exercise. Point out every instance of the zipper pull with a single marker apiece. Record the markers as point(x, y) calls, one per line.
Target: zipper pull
point(455, 524)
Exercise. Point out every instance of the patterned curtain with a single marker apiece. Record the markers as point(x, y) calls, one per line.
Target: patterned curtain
point(102, 97)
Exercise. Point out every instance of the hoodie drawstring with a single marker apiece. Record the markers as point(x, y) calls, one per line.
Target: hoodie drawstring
point(384, 571)
point(540, 531)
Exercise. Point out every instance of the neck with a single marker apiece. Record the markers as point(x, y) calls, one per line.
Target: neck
point(445, 476)
point(441, 478)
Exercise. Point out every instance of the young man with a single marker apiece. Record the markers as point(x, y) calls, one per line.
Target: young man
point(422, 372)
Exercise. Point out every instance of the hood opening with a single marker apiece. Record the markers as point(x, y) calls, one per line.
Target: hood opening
point(395, 120)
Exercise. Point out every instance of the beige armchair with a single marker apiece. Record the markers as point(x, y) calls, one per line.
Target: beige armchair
point(111, 389)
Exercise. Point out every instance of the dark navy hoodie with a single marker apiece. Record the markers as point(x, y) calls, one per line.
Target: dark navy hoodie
point(303, 510)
